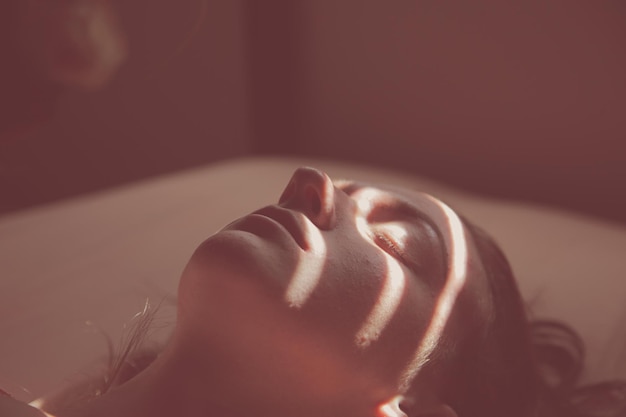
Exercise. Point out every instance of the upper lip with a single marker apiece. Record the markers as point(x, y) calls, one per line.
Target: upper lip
point(293, 222)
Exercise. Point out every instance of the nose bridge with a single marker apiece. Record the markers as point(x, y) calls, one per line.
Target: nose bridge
point(311, 191)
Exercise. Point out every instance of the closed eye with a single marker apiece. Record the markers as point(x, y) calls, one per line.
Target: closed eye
point(390, 245)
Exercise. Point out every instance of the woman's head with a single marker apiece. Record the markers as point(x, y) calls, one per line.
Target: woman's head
point(349, 295)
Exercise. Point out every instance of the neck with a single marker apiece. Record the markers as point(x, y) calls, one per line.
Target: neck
point(176, 384)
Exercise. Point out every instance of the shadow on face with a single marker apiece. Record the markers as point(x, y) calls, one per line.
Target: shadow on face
point(352, 280)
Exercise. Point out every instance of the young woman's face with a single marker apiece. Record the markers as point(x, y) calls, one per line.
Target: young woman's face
point(349, 282)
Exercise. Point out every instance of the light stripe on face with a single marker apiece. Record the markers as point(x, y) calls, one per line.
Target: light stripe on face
point(308, 271)
point(454, 236)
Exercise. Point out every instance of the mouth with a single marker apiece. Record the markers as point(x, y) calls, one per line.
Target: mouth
point(293, 222)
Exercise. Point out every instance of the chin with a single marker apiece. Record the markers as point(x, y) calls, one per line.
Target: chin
point(233, 270)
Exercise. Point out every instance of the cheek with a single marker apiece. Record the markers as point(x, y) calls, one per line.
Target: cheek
point(350, 283)
point(229, 256)
point(392, 355)
point(363, 295)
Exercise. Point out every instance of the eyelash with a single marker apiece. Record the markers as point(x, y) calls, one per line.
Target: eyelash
point(381, 238)
point(389, 245)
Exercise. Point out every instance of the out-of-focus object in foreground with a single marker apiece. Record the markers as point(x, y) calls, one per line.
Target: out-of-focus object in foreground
point(48, 46)
point(77, 43)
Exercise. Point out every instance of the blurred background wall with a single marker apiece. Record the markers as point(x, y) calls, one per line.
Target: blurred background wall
point(179, 100)
point(523, 100)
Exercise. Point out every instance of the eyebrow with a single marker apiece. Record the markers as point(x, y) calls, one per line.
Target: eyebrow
point(399, 203)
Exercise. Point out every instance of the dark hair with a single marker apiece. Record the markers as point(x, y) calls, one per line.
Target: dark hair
point(522, 368)
point(494, 374)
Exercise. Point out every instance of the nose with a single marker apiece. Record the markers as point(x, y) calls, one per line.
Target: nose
point(311, 192)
